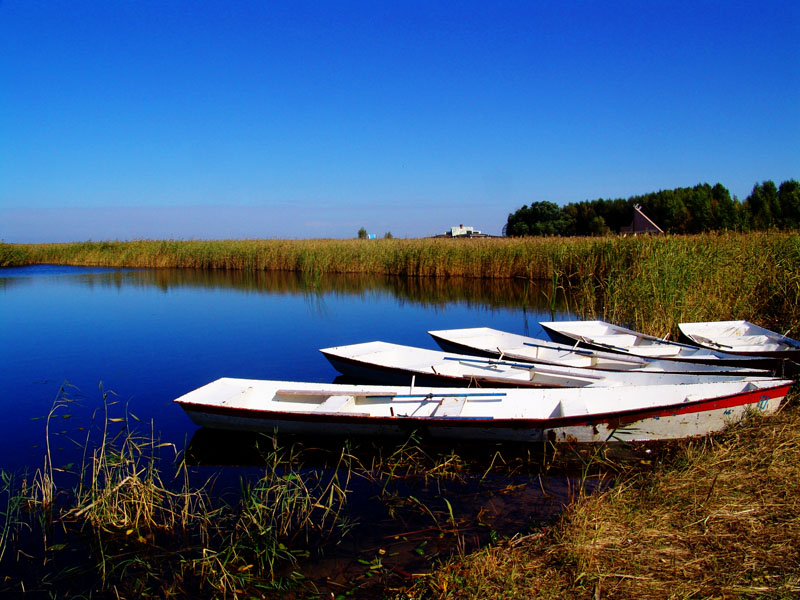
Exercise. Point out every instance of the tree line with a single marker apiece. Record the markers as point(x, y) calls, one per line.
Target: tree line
point(680, 210)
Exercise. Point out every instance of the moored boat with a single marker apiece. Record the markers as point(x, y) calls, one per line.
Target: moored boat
point(615, 338)
point(493, 343)
point(388, 363)
point(741, 337)
point(628, 413)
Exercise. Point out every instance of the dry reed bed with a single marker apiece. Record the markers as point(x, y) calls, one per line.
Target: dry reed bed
point(721, 520)
point(651, 283)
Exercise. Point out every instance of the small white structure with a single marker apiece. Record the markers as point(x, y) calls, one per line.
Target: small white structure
point(461, 230)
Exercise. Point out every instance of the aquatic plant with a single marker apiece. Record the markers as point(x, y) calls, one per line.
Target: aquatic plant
point(134, 520)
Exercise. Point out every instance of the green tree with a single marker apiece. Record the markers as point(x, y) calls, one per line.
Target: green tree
point(762, 206)
point(698, 206)
point(362, 234)
point(725, 210)
point(540, 218)
point(789, 200)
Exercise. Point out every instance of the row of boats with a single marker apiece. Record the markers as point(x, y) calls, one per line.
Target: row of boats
point(591, 382)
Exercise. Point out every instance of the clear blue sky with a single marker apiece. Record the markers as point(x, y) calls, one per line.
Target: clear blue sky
point(186, 120)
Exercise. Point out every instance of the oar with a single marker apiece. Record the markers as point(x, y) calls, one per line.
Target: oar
point(537, 368)
point(431, 396)
point(596, 343)
point(789, 341)
point(710, 342)
point(574, 349)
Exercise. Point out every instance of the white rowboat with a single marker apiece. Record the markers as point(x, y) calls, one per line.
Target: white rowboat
point(741, 337)
point(615, 338)
point(487, 342)
point(631, 413)
point(386, 363)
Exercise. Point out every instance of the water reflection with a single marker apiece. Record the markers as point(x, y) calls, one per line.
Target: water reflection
point(153, 335)
point(428, 291)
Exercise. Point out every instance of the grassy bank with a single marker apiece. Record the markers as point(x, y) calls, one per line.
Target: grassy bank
point(721, 519)
point(651, 283)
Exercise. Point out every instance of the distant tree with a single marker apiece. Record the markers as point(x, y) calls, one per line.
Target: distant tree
point(789, 200)
point(762, 206)
point(362, 234)
point(388, 235)
point(540, 218)
point(698, 207)
point(597, 226)
point(667, 209)
point(585, 218)
point(725, 210)
point(616, 213)
point(680, 210)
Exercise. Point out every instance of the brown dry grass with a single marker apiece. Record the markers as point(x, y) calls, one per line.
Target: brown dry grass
point(720, 520)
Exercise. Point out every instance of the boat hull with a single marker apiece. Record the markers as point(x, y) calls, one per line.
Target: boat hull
point(676, 421)
point(741, 338)
point(673, 351)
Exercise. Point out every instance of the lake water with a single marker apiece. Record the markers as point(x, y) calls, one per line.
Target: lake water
point(149, 336)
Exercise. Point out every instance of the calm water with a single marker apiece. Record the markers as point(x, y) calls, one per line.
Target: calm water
point(152, 335)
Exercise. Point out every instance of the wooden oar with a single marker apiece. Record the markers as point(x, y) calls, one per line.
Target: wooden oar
point(537, 368)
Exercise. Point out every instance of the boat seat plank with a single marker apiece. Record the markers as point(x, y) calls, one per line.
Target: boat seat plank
point(326, 393)
point(657, 351)
point(450, 407)
point(334, 403)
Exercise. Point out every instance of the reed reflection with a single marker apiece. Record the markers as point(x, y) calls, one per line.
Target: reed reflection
point(536, 296)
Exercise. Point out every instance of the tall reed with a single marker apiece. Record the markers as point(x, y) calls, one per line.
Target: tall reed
point(651, 283)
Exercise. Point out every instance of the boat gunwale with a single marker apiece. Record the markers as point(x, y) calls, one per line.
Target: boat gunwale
point(739, 366)
point(437, 379)
point(614, 419)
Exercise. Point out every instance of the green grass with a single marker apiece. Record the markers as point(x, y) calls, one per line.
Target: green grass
point(122, 531)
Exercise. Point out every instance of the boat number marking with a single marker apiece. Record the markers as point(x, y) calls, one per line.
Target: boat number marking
point(762, 404)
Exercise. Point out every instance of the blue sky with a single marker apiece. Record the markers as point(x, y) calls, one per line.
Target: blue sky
point(209, 120)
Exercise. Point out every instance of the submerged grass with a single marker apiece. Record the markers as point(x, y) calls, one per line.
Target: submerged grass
point(123, 532)
point(119, 525)
point(651, 283)
point(720, 519)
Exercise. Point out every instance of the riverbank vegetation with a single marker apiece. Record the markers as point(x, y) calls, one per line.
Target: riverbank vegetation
point(719, 519)
point(650, 283)
point(710, 518)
